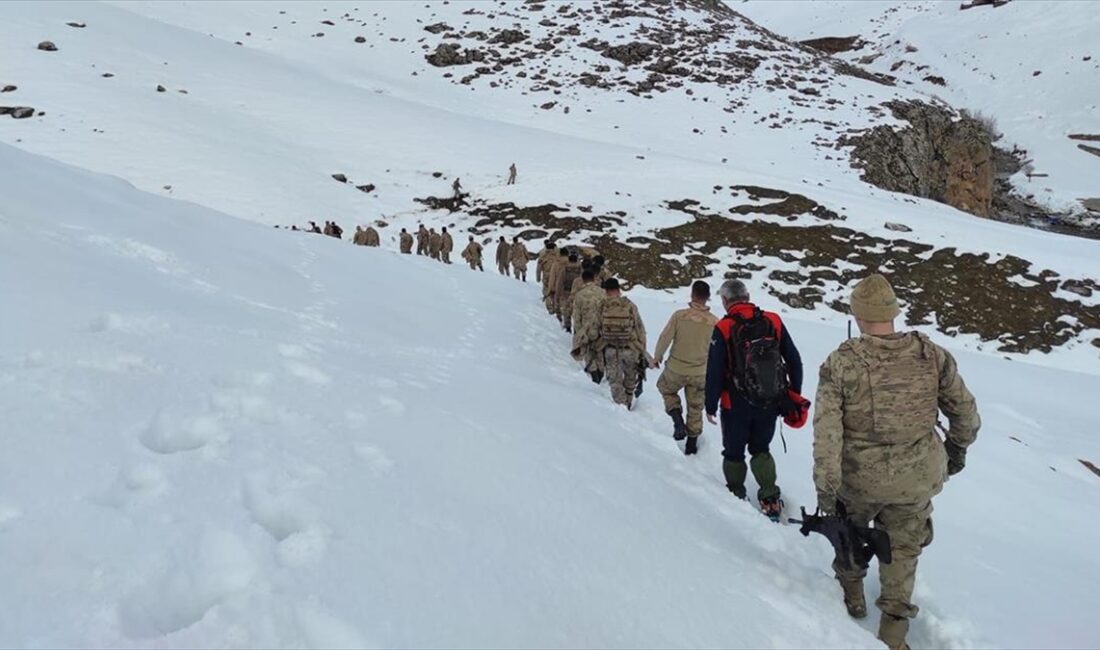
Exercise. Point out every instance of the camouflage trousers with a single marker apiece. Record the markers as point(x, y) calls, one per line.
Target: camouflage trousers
point(910, 529)
point(502, 267)
point(446, 257)
point(621, 371)
point(548, 300)
point(520, 271)
point(671, 383)
point(565, 310)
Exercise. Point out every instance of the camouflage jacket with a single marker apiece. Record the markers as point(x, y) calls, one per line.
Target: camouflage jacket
point(504, 253)
point(586, 316)
point(448, 243)
point(542, 263)
point(472, 252)
point(878, 401)
point(519, 254)
point(370, 237)
point(406, 242)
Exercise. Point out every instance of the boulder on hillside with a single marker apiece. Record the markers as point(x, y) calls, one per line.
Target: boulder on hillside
point(631, 53)
point(340, 178)
point(17, 112)
point(834, 44)
point(77, 25)
point(47, 46)
point(448, 54)
point(438, 28)
point(898, 227)
point(9, 89)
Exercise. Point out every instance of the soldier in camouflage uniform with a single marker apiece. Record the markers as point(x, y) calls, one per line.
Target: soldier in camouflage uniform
point(422, 240)
point(371, 238)
point(549, 249)
point(550, 278)
point(519, 258)
point(435, 244)
point(688, 334)
point(504, 255)
point(406, 242)
point(621, 342)
point(586, 331)
point(563, 292)
point(447, 246)
point(472, 255)
point(876, 450)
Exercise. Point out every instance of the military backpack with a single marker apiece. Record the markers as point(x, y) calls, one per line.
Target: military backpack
point(617, 323)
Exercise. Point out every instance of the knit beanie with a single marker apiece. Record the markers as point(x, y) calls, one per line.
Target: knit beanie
point(873, 300)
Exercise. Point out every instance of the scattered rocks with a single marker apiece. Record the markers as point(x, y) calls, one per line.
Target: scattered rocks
point(9, 89)
point(631, 53)
point(898, 227)
point(448, 54)
point(509, 37)
point(340, 178)
point(17, 112)
point(936, 80)
point(438, 28)
point(47, 46)
point(77, 25)
point(366, 189)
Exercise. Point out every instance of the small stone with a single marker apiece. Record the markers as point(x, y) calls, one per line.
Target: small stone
point(161, 89)
point(360, 39)
point(77, 25)
point(47, 46)
point(898, 227)
point(366, 189)
point(107, 75)
point(340, 178)
point(9, 89)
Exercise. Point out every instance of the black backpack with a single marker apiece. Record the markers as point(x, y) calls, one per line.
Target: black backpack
point(757, 370)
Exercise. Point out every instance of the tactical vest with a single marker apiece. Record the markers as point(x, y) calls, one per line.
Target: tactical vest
point(904, 393)
point(617, 323)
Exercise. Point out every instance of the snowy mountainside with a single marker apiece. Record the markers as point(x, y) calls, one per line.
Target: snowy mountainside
point(275, 439)
point(259, 129)
point(1029, 66)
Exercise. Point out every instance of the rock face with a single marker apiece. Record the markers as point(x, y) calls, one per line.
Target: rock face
point(834, 44)
point(448, 54)
point(938, 156)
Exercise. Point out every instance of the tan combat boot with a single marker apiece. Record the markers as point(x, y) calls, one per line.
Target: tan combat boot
point(892, 631)
point(853, 598)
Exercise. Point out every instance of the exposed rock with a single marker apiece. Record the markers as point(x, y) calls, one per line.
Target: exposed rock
point(366, 189)
point(631, 53)
point(438, 28)
point(835, 44)
point(509, 37)
point(340, 178)
point(548, 105)
point(898, 227)
point(937, 157)
point(17, 112)
point(360, 39)
point(1092, 205)
point(1087, 149)
point(161, 89)
point(9, 89)
point(107, 75)
point(47, 46)
point(77, 25)
point(448, 54)
point(1087, 137)
point(933, 79)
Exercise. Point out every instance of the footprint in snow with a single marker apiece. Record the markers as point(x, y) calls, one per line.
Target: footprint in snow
point(379, 463)
point(166, 434)
point(308, 373)
point(203, 578)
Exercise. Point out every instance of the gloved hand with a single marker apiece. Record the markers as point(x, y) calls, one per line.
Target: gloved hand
point(956, 457)
point(828, 503)
point(795, 409)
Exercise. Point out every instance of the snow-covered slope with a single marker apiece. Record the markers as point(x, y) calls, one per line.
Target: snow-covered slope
point(1032, 67)
point(217, 433)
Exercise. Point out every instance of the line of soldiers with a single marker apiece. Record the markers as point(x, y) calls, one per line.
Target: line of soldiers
point(877, 455)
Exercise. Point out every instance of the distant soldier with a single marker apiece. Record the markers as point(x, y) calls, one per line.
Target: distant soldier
point(422, 240)
point(548, 251)
point(371, 237)
point(406, 242)
point(313, 227)
point(328, 229)
point(753, 367)
point(512, 174)
point(586, 325)
point(563, 292)
point(622, 341)
point(519, 258)
point(876, 452)
point(504, 255)
point(447, 247)
point(457, 187)
point(599, 265)
point(359, 238)
point(688, 334)
point(472, 255)
point(435, 244)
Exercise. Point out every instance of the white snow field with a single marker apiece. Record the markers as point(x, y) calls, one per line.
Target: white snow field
point(214, 433)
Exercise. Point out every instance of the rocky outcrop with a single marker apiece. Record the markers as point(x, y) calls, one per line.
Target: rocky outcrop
point(448, 54)
point(940, 156)
point(17, 112)
point(834, 44)
point(47, 46)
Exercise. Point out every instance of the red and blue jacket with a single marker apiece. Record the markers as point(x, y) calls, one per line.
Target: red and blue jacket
point(718, 359)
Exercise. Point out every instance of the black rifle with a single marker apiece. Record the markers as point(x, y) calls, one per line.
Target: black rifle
point(855, 545)
point(642, 366)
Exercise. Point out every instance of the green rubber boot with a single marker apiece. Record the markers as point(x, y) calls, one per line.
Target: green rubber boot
point(735, 472)
point(763, 469)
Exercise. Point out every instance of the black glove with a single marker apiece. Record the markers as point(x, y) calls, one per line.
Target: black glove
point(956, 457)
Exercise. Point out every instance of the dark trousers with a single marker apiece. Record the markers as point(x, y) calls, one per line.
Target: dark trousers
point(746, 426)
